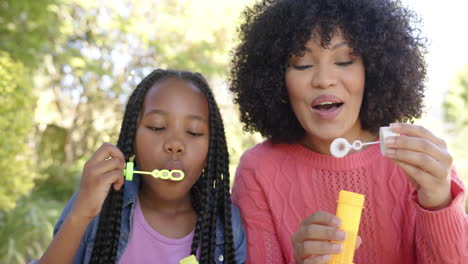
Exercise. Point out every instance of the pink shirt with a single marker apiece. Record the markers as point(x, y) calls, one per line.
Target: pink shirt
point(145, 245)
point(277, 186)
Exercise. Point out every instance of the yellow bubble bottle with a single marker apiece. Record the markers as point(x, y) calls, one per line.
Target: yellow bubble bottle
point(189, 260)
point(349, 211)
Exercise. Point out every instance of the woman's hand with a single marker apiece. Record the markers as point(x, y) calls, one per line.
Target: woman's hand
point(426, 161)
point(311, 241)
point(103, 169)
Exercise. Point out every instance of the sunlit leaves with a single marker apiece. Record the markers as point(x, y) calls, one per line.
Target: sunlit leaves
point(16, 126)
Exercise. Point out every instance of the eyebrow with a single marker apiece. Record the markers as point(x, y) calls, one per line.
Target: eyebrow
point(334, 47)
point(162, 112)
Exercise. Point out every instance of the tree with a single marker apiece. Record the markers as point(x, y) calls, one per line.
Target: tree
point(26, 28)
point(84, 68)
point(106, 47)
point(16, 124)
point(456, 113)
point(456, 101)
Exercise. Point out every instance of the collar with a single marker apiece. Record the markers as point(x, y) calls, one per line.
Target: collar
point(131, 190)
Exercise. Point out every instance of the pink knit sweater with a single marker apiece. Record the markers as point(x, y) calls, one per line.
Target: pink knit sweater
point(277, 186)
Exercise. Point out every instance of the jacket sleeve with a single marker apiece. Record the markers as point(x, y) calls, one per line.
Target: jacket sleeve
point(81, 249)
point(262, 242)
point(240, 239)
point(442, 235)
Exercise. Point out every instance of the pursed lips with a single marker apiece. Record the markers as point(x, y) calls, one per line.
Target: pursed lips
point(174, 165)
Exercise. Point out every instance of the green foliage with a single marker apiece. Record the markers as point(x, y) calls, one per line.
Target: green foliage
point(52, 145)
point(16, 126)
point(86, 56)
point(27, 229)
point(456, 101)
point(59, 182)
point(105, 49)
point(456, 113)
point(25, 29)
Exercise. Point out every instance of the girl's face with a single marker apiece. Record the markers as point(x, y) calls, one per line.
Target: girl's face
point(173, 133)
point(325, 88)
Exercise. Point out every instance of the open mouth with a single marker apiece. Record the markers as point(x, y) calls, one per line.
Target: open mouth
point(327, 106)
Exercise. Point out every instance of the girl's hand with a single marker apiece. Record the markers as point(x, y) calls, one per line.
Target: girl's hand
point(312, 243)
point(103, 169)
point(426, 161)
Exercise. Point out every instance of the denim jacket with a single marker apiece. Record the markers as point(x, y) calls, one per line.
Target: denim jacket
point(85, 249)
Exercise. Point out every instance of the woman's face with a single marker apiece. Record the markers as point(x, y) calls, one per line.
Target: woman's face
point(325, 88)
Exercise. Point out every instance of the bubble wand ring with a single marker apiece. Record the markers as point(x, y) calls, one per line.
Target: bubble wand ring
point(161, 174)
point(340, 147)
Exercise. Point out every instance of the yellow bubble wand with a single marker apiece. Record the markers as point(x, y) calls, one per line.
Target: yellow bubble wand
point(161, 174)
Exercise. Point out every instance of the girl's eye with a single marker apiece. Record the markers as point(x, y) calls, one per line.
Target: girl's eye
point(345, 63)
point(156, 129)
point(301, 67)
point(195, 134)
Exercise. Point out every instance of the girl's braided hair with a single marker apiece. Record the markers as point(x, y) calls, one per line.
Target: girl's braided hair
point(210, 194)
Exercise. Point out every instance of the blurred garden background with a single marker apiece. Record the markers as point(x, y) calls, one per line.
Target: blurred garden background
point(68, 66)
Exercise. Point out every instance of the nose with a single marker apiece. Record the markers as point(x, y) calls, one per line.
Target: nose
point(324, 77)
point(174, 145)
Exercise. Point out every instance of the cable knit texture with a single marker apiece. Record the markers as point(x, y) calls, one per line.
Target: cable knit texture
point(277, 186)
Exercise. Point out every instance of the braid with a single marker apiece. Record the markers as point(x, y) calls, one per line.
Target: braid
point(215, 184)
point(210, 194)
point(107, 236)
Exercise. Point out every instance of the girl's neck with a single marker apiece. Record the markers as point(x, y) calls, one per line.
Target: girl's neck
point(173, 219)
point(149, 200)
point(322, 145)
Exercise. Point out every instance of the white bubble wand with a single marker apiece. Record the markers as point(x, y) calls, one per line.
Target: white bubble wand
point(340, 147)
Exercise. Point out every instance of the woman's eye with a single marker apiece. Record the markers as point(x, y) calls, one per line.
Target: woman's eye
point(345, 63)
point(195, 134)
point(301, 67)
point(156, 129)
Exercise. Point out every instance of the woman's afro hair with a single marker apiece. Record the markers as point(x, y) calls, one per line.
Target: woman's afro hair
point(382, 32)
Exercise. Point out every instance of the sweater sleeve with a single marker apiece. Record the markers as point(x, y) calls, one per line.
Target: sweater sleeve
point(248, 194)
point(442, 235)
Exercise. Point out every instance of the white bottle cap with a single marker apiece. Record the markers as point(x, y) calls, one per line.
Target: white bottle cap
point(383, 134)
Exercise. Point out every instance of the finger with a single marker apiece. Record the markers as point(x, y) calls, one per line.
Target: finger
point(358, 242)
point(321, 232)
point(417, 131)
point(417, 176)
point(318, 259)
point(317, 218)
point(420, 145)
point(413, 182)
point(315, 247)
point(428, 166)
point(322, 218)
point(105, 151)
point(119, 183)
point(108, 165)
point(114, 177)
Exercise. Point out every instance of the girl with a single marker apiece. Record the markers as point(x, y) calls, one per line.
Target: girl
point(171, 122)
point(309, 71)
